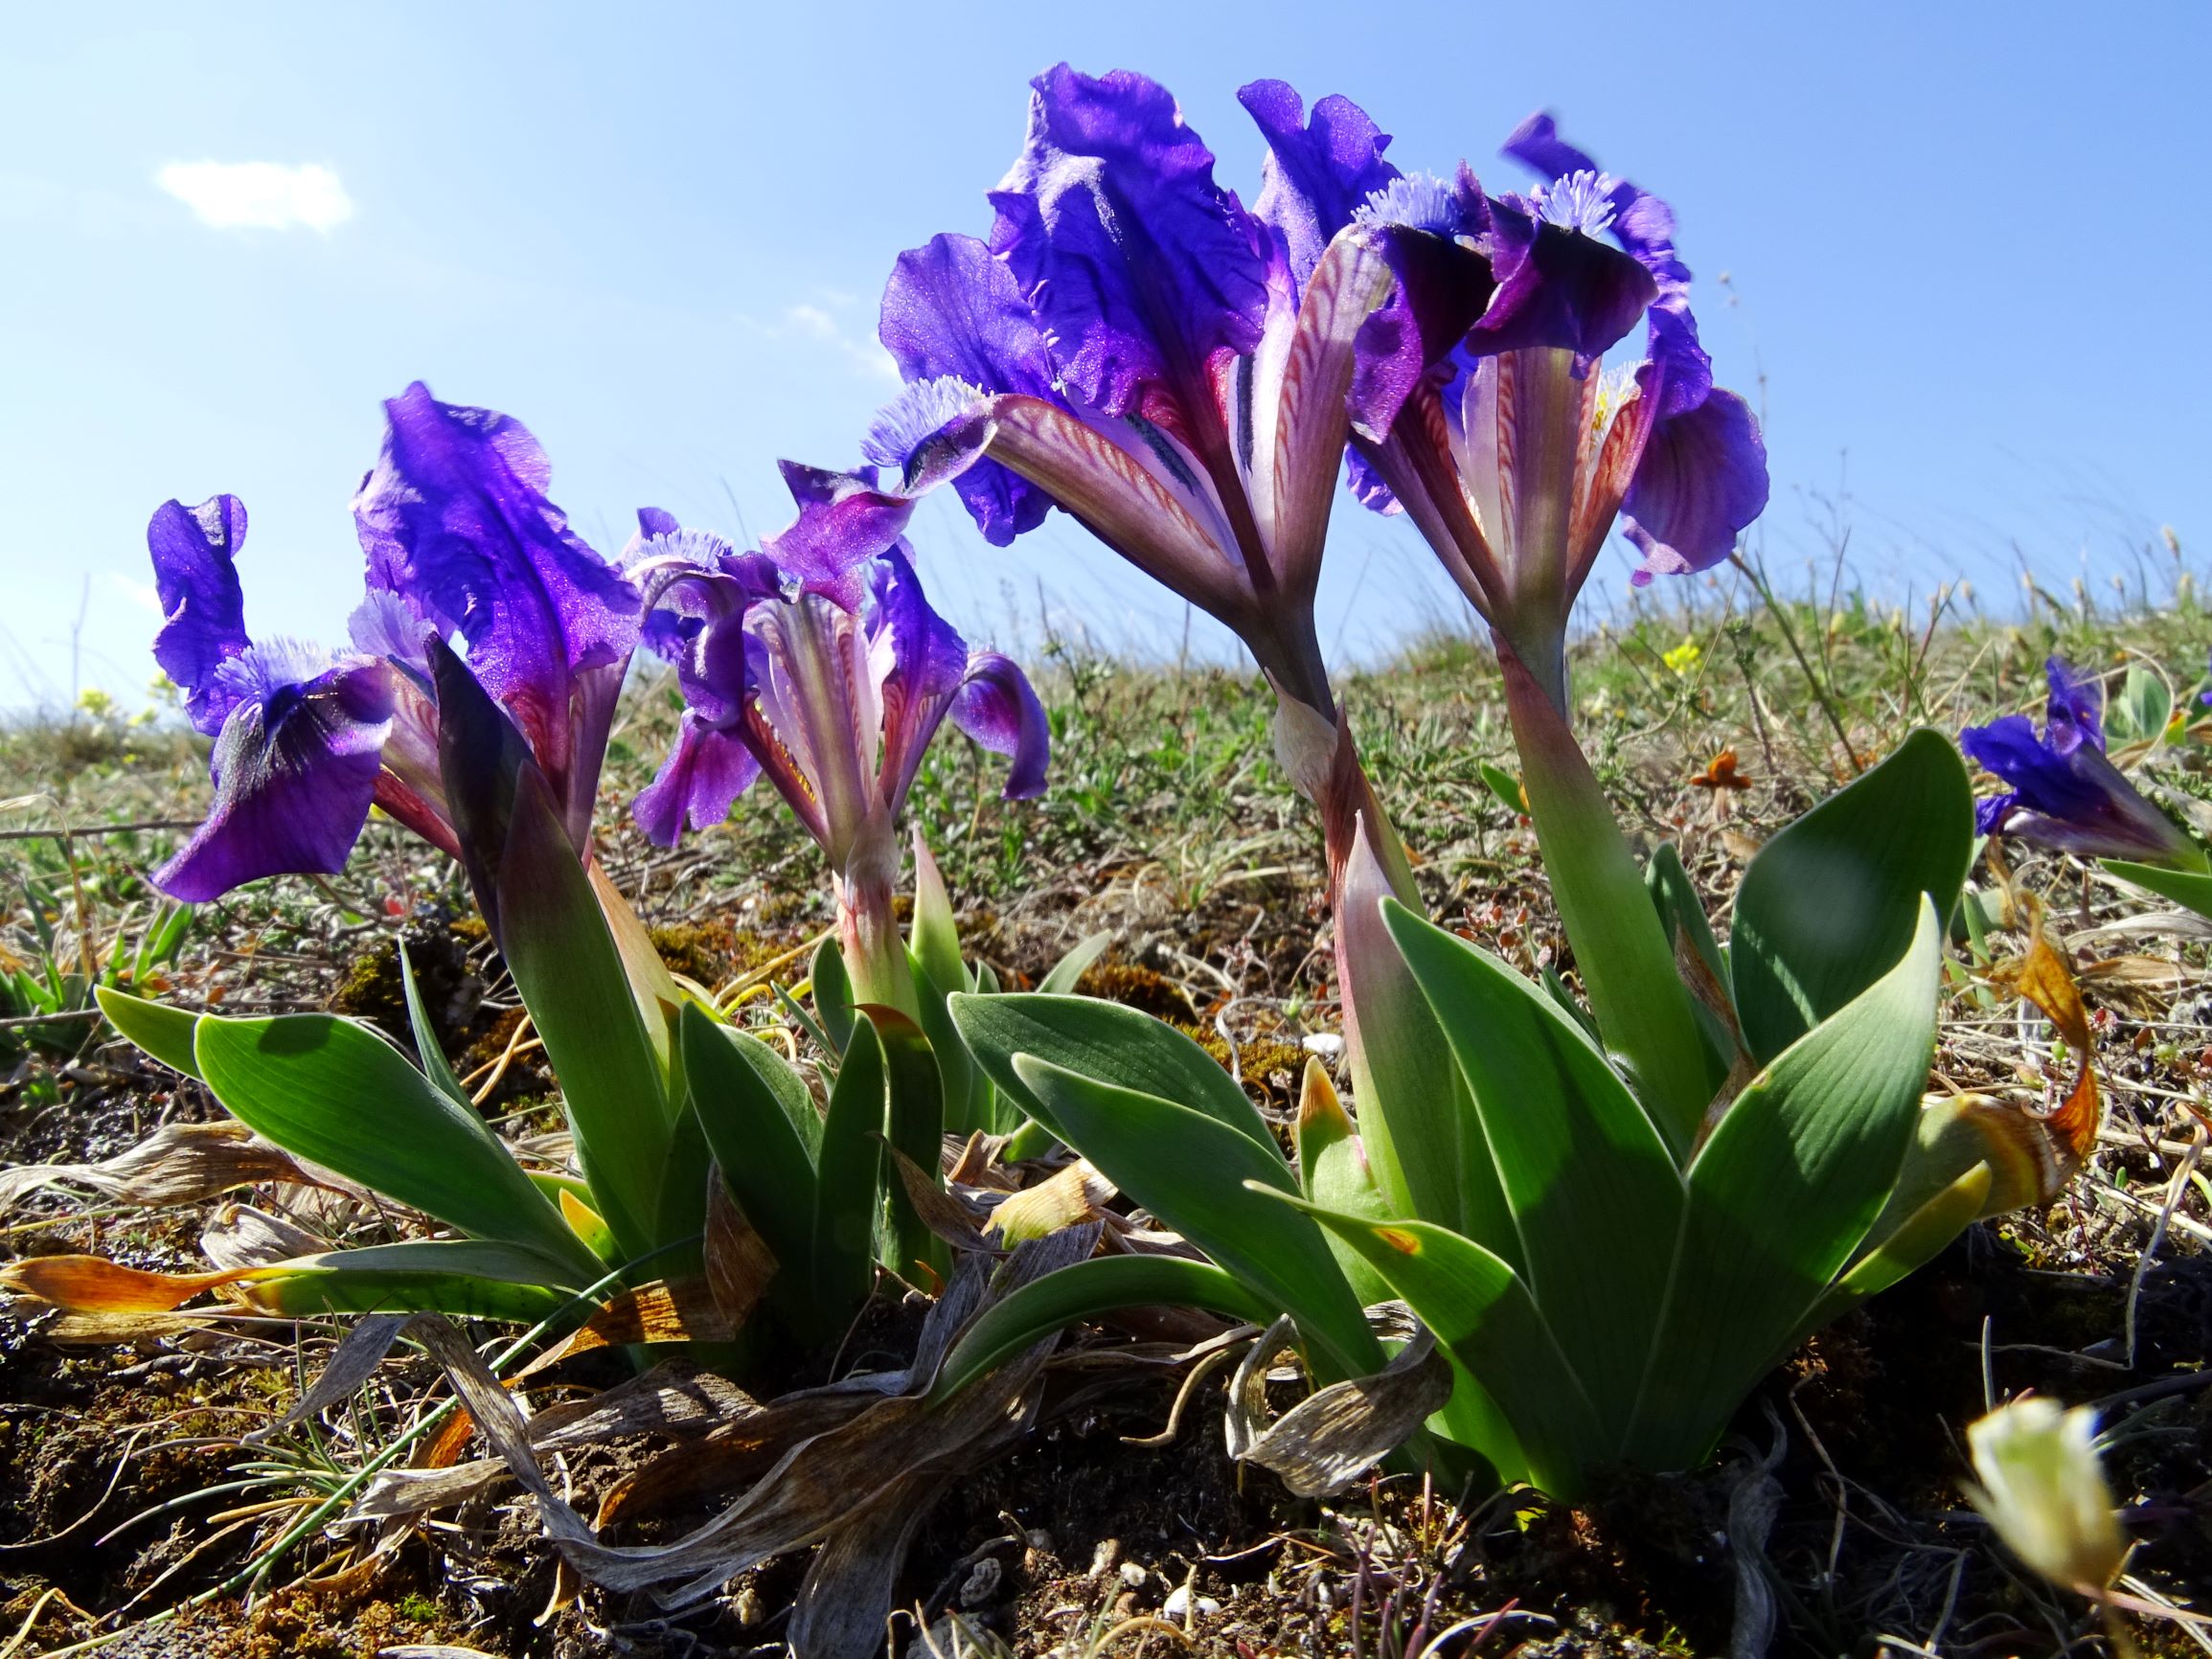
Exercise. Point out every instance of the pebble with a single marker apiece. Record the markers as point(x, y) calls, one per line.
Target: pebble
point(1133, 1574)
point(1178, 1605)
point(982, 1583)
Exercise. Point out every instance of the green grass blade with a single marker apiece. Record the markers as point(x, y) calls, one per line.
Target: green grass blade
point(1101, 1286)
point(427, 1049)
point(1067, 972)
point(1830, 903)
point(1191, 1169)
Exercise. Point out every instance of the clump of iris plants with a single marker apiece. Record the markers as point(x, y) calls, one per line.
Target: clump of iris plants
point(1610, 1207)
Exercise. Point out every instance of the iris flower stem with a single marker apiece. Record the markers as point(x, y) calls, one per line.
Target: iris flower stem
point(868, 936)
point(1620, 946)
point(1390, 1038)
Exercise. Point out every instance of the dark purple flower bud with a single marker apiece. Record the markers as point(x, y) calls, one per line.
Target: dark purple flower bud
point(2064, 792)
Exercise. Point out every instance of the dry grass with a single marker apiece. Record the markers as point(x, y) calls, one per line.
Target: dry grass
point(1169, 822)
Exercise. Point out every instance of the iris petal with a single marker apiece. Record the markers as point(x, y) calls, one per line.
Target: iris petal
point(1141, 267)
point(999, 709)
point(953, 309)
point(2070, 798)
point(195, 575)
point(1318, 172)
point(1702, 480)
point(697, 785)
point(455, 519)
point(295, 769)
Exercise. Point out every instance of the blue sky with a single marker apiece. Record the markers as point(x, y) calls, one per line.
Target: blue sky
point(1967, 271)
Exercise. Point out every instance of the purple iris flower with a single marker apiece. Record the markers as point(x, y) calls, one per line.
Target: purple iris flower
point(2063, 791)
point(1132, 344)
point(819, 662)
point(460, 540)
point(1517, 448)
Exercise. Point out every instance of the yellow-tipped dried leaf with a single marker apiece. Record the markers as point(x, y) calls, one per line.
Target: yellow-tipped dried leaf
point(1066, 1199)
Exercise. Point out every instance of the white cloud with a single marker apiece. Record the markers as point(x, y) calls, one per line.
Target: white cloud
point(821, 326)
point(139, 593)
point(257, 195)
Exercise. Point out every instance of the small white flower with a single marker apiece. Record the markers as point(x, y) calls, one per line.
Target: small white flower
point(2043, 1491)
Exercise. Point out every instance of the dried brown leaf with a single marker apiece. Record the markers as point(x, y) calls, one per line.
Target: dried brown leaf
point(739, 1263)
point(177, 1163)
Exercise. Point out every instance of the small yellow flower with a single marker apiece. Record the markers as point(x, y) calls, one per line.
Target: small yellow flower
point(1685, 657)
point(94, 701)
point(2043, 1491)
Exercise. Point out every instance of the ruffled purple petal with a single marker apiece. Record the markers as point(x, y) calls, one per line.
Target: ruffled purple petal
point(1703, 478)
point(1140, 267)
point(384, 625)
point(953, 312)
point(294, 768)
point(697, 785)
point(951, 307)
point(454, 519)
point(2075, 714)
point(1318, 172)
point(999, 709)
point(193, 550)
point(844, 521)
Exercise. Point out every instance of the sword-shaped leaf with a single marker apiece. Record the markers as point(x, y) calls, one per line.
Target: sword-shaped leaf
point(331, 1091)
point(1595, 1195)
point(1109, 1043)
point(163, 1032)
point(1483, 1314)
point(1088, 1289)
point(1830, 903)
point(1196, 1174)
point(1782, 1196)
